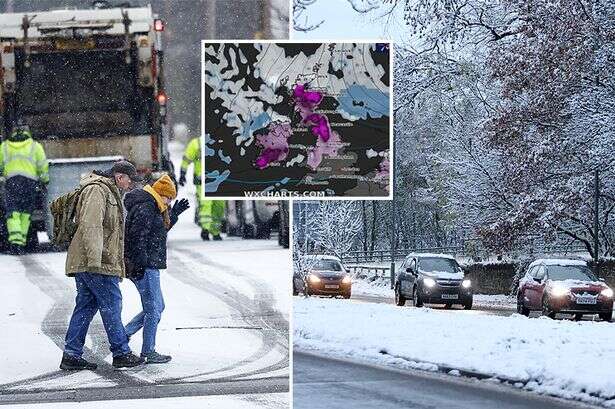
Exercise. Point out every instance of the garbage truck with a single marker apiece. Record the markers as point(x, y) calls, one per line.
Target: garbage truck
point(90, 85)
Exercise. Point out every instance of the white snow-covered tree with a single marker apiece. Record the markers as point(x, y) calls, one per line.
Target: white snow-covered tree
point(334, 225)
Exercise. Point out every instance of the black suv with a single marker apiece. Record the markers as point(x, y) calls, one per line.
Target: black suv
point(432, 279)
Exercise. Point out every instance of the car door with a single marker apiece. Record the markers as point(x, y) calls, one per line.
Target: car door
point(410, 276)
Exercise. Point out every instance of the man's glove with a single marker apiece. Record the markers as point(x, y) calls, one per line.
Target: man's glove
point(182, 178)
point(180, 206)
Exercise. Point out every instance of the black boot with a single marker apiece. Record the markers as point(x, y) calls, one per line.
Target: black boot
point(205, 235)
point(71, 363)
point(16, 249)
point(217, 237)
point(128, 360)
point(156, 358)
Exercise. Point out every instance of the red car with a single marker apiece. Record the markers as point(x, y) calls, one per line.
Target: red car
point(563, 286)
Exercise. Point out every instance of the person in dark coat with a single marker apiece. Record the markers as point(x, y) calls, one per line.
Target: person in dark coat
point(147, 222)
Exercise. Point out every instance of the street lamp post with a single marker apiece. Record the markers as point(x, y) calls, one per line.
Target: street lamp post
point(596, 222)
point(394, 205)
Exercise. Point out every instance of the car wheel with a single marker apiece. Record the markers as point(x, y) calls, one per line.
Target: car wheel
point(448, 306)
point(400, 300)
point(606, 316)
point(521, 308)
point(578, 317)
point(468, 305)
point(546, 310)
point(346, 295)
point(416, 298)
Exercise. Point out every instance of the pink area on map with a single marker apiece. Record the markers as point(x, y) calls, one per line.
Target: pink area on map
point(308, 99)
point(329, 148)
point(274, 144)
point(382, 175)
point(305, 103)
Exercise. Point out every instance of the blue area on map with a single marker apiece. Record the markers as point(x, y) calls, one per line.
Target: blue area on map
point(223, 157)
point(208, 150)
point(375, 102)
point(218, 177)
point(254, 124)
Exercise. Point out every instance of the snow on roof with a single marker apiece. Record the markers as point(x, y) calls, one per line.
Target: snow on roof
point(431, 255)
point(140, 20)
point(323, 257)
point(557, 262)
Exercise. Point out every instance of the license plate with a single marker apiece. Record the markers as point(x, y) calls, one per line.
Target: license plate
point(450, 296)
point(70, 44)
point(332, 286)
point(586, 300)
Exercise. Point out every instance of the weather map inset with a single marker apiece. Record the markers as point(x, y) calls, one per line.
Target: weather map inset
point(287, 119)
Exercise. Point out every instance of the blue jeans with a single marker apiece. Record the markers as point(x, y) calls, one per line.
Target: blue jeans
point(97, 292)
point(153, 305)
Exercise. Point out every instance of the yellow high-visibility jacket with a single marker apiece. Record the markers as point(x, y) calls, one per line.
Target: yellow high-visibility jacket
point(25, 158)
point(192, 154)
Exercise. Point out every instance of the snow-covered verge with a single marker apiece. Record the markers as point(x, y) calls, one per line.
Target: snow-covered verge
point(561, 358)
point(380, 287)
point(277, 400)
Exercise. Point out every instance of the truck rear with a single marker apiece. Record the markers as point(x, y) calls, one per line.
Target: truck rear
point(90, 85)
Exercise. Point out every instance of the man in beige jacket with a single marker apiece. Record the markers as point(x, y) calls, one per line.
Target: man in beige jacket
point(96, 259)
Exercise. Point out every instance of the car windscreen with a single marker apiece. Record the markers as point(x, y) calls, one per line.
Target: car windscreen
point(327, 265)
point(433, 264)
point(559, 273)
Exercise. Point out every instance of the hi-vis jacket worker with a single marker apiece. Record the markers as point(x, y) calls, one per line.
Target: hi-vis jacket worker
point(210, 212)
point(23, 163)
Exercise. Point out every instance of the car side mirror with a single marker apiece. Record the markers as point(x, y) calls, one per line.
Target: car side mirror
point(601, 279)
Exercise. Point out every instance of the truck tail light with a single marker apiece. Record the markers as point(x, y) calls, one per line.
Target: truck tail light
point(158, 25)
point(161, 98)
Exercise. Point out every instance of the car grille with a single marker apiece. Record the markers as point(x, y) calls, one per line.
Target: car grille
point(584, 292)
point(448, 283)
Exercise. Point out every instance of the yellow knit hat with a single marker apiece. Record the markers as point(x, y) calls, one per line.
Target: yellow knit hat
point(165, 187)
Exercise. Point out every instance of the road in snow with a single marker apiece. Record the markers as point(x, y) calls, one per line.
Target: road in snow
point(225, 324)
point(557, 357)
point(484, 304)
point(320, 382)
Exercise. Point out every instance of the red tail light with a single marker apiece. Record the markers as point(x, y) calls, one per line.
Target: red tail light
point(158, 25)
point(161, 98)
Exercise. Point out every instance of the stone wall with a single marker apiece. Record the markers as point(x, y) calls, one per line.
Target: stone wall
point(497, 278)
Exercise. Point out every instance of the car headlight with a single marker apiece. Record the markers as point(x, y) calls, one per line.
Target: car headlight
point(466, 283)
point(313, 278)
point(559, 291)
point(429, 282)
point(346, 280)
point(607, 292)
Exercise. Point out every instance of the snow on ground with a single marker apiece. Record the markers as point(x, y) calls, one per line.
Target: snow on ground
point(23, 307)
point(226, 315)
point(270, 401)
point(562, 358)
point(380, 287)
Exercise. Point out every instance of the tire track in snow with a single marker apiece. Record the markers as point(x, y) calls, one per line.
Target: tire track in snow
point(258, 312)
point(55, 324)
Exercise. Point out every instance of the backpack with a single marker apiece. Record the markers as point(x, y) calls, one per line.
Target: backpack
point(63, 210)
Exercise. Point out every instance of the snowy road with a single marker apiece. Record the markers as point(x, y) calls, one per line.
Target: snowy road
point(560, 358)
point(225, 324)
point(320, 382)
point(477, 309)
